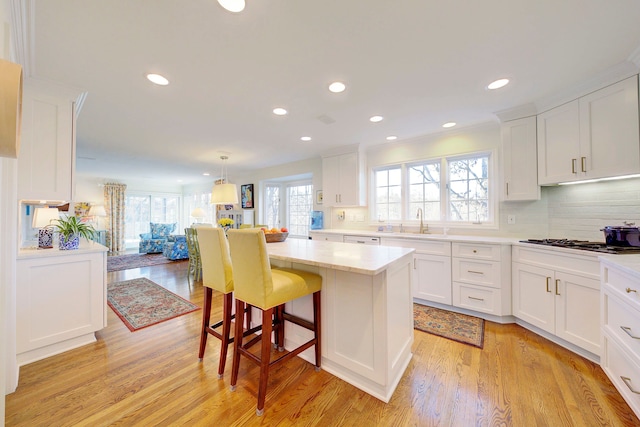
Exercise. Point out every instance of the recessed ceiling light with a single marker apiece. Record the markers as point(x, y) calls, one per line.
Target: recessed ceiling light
point(498, 84)
point(232, 5)
point(337, 87)
point(206, 174)
point(279, 111)
point(179, 180)
point(375, 119)
point(305, 138)
point(392, 138)
point(449, 124)
point(158, 79)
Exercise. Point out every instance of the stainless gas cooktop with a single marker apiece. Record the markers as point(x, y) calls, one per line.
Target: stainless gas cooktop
point(585, 246)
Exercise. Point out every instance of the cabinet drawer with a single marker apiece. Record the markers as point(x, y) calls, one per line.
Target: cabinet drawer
point(485, 273)
point(623, 371)
point(432, 247)
point(621, 321)
point(476, 250)
point(486, 300)
point(625, 286)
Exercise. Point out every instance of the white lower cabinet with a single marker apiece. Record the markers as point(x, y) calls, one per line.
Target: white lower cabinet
point(61, 300)
point(548, 294)
point(481, 275)
point(329, 237)
point(431, 268)
point(620, 327)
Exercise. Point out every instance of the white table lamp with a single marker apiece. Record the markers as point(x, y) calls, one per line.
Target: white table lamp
point(97, 211)
point(43, 220)
point(198, 214)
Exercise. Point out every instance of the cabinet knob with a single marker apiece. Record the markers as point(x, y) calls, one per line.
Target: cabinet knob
point(475, 251)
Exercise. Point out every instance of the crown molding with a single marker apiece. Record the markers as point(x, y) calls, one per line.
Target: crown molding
point(635, 57)
point(22, 18)
point(519, 112)
point(608, 77)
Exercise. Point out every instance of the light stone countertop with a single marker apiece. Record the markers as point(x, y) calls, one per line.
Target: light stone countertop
point(628, 263)
point(363, 259)
point(85, 247)
point(428, 236)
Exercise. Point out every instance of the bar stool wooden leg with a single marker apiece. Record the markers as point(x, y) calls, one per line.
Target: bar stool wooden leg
point(206, 314)
point(226, 330)
point(265, 358)
point(237, 343)
point(317, 322)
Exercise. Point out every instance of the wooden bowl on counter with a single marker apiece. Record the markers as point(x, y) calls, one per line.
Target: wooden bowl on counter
point(275, 237)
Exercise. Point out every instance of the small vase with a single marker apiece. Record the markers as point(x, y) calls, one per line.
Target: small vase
point(66, 244)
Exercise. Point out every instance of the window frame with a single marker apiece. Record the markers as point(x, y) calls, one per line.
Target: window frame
point(444, 219)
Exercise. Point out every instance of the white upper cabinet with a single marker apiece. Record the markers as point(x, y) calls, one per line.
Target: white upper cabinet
point(520, 170)
point(46, 161)
point(595, 136)
point(343, 179)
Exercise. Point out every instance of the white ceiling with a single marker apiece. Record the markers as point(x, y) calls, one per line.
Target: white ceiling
point(418, 63)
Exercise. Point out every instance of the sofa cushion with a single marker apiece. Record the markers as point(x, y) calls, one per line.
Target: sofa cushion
point(159, 231)
point(145, 236)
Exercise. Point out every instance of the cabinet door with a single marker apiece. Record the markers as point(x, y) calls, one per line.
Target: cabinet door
point(46, 160)
point(578, 310)
point(609, 131)
point(533, 298)
point(519, 154)
point(331, 180)
point(559, 144)
point(432, 278)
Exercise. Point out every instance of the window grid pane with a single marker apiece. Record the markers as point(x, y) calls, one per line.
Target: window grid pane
point(300, 204)
point(468, 189)
point(272, 208)
point(388, 192)
point(424, 190)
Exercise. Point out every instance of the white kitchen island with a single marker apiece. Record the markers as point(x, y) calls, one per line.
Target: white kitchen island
point(367, 309)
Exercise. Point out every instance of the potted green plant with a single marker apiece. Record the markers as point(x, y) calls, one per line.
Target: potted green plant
point(70, 231)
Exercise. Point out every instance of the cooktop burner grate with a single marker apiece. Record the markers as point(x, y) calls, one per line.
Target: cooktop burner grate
point(585, 246)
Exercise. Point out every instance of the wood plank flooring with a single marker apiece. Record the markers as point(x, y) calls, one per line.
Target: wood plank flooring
point(153, 377)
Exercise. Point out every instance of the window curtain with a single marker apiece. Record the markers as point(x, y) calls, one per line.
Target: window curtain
point(114, 197)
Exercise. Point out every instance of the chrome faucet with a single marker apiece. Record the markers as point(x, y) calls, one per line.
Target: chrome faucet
point(423, 229)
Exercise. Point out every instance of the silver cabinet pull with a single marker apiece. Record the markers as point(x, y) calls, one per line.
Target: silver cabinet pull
point(583, 163)
point(628, 331)
point(573, 166)
point(476, 272)
point(507, 188)
point(477, 299)
point(548, 279)
point(629, 290)
point(627, 382)
point(557, 286)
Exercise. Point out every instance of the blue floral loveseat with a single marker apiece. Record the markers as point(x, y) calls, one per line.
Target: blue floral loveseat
point(153, 242)
point(177, 249)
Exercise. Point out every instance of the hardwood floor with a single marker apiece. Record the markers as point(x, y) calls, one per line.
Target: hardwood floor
point(153, 377)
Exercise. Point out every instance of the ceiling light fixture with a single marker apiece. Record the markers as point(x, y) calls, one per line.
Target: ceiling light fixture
point(392, 138)
point(449, 124)
point(224, 193)
point(337, 87)
point(279, 111)
point(232, 5)
point(157, 79)
point(498, 84)
point(376, 119)
point(305, 138)
point(206, 174)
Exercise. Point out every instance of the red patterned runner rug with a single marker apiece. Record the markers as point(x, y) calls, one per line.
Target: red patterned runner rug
point(140, 303)
point(447, 324)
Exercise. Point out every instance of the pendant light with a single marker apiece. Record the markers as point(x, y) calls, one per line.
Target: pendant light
point(224, 193)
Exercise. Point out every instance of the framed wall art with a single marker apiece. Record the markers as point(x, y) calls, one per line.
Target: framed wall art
point(246, 196)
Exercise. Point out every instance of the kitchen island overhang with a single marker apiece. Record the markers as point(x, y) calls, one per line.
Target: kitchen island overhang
point(367, 309)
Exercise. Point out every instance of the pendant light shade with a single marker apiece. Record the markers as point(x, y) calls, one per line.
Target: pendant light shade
point(225, 193)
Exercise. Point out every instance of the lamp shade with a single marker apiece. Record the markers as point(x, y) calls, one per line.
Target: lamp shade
point(97, 210)
point(224, 194)
point(43, 217)
point(198, 213)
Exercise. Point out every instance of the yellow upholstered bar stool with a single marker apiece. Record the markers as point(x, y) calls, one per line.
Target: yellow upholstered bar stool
point(217, 274)
point(257, 284)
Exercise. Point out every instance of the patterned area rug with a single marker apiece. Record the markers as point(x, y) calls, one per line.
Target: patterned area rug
point(125, 262)
point(447, 324)
point(140, 303)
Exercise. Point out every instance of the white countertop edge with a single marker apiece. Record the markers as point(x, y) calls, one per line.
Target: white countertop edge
point(416, 236)
point(628, 263)
point(85, 247)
